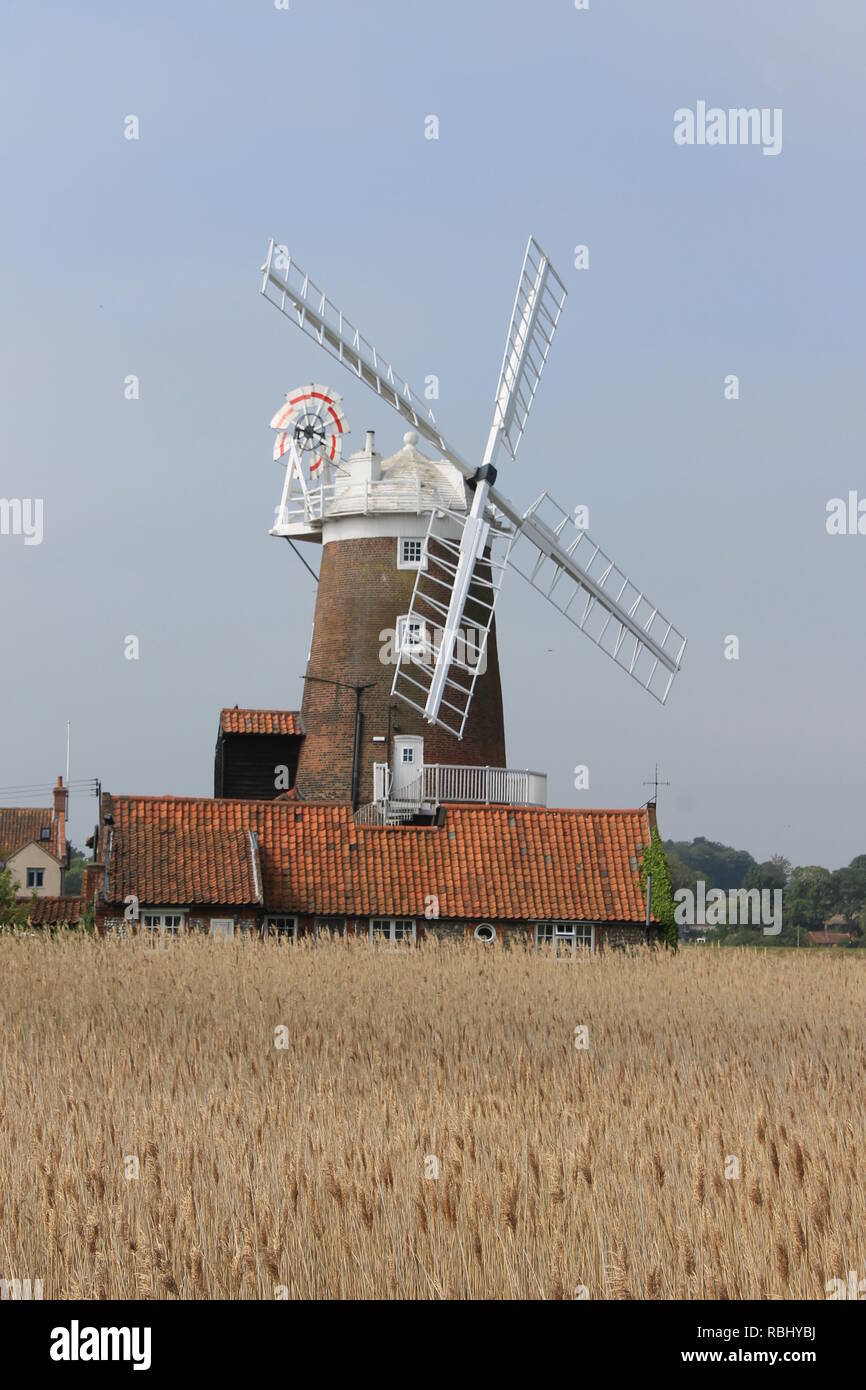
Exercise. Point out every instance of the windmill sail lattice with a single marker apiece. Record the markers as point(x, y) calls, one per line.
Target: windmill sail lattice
point(418, 660)
point(467, 554)
point(594, 594)
point(538, 303)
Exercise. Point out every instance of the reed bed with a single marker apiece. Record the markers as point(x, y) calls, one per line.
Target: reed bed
point(430, 1130)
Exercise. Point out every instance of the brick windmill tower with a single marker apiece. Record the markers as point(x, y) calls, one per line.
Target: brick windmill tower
point(371, 515)
point(402, 707)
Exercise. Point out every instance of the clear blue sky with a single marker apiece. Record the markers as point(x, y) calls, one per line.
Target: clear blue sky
point(142, 257)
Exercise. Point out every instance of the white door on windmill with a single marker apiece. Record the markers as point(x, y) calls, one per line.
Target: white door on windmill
point(407, 766)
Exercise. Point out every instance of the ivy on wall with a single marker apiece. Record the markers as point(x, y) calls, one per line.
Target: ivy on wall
point(655, 863)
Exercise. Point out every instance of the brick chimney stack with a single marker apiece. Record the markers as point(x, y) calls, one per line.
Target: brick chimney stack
point(61, 799)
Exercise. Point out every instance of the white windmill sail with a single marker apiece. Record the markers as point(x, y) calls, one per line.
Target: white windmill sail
point(538, 304)
point(454, 598)
point(564, 564)
point(292, 291)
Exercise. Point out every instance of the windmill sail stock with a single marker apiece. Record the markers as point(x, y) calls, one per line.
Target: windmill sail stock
point(467, 554)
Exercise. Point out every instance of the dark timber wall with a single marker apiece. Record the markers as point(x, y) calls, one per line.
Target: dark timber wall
point(245, 765)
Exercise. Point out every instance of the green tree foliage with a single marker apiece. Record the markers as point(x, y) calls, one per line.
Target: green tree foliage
point(12, 912)
point(773, 873)
point(718, 865)
point(73, 877)
point(809, 900)
point(812, 894)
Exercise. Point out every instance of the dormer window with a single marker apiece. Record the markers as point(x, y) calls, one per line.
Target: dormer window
point(410, 553)
point(45, 832)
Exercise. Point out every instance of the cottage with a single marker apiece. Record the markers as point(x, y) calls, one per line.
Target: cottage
point(567, 879)
point(829, 938)
point(33, 845)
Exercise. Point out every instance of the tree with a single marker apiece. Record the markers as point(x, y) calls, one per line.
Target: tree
point(12, 912)
point(809, 899)
point(718, 865)
point(72, 879)
point(773, 873)
point(849, 888)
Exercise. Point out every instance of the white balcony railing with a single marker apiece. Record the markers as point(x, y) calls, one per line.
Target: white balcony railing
point(438, 782)
point(350, 498)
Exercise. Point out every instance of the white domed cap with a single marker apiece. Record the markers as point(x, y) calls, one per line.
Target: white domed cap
point(440, 482)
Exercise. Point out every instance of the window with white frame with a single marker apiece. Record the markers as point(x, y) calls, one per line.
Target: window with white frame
point(411, 635)
point(35, 878)
point(410, 553)
point(162, 923)
point(222, 928)
point(486, 932)
point(393, 929)
point(565, 939)
point(283, 928)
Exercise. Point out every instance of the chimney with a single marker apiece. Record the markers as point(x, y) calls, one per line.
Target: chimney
point(364, 465)
point(61, 797)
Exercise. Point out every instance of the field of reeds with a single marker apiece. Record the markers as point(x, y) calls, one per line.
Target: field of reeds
point(430, 1130)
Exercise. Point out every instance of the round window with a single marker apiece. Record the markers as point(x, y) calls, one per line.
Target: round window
point(484, 932)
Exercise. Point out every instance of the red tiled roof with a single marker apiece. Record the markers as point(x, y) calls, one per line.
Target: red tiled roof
point(492, 861)
point(260, 721)
point(20, 825)
point(53, 912)
point(829, 938)
point(161, 855)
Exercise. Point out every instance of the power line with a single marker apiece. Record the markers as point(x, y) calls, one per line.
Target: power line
point(78, 787)
point(77, 782)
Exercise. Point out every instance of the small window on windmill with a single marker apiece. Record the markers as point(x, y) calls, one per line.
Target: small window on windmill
point(411, 636)
point(410, 553)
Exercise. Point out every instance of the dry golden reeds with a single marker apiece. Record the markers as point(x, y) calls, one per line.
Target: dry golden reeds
point(431, 1131)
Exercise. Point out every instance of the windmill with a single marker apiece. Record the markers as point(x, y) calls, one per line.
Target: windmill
point(466, 553)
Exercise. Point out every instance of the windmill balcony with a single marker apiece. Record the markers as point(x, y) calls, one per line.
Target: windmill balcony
point(355, 497)
point(439, 782)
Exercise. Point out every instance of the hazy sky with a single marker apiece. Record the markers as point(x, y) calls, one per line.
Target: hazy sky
point(141, 257)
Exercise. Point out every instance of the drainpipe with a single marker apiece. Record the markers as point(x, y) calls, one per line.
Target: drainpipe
point(356, 752)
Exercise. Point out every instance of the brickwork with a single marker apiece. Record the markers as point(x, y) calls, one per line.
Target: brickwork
point(621, 936)
point(360, 595)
